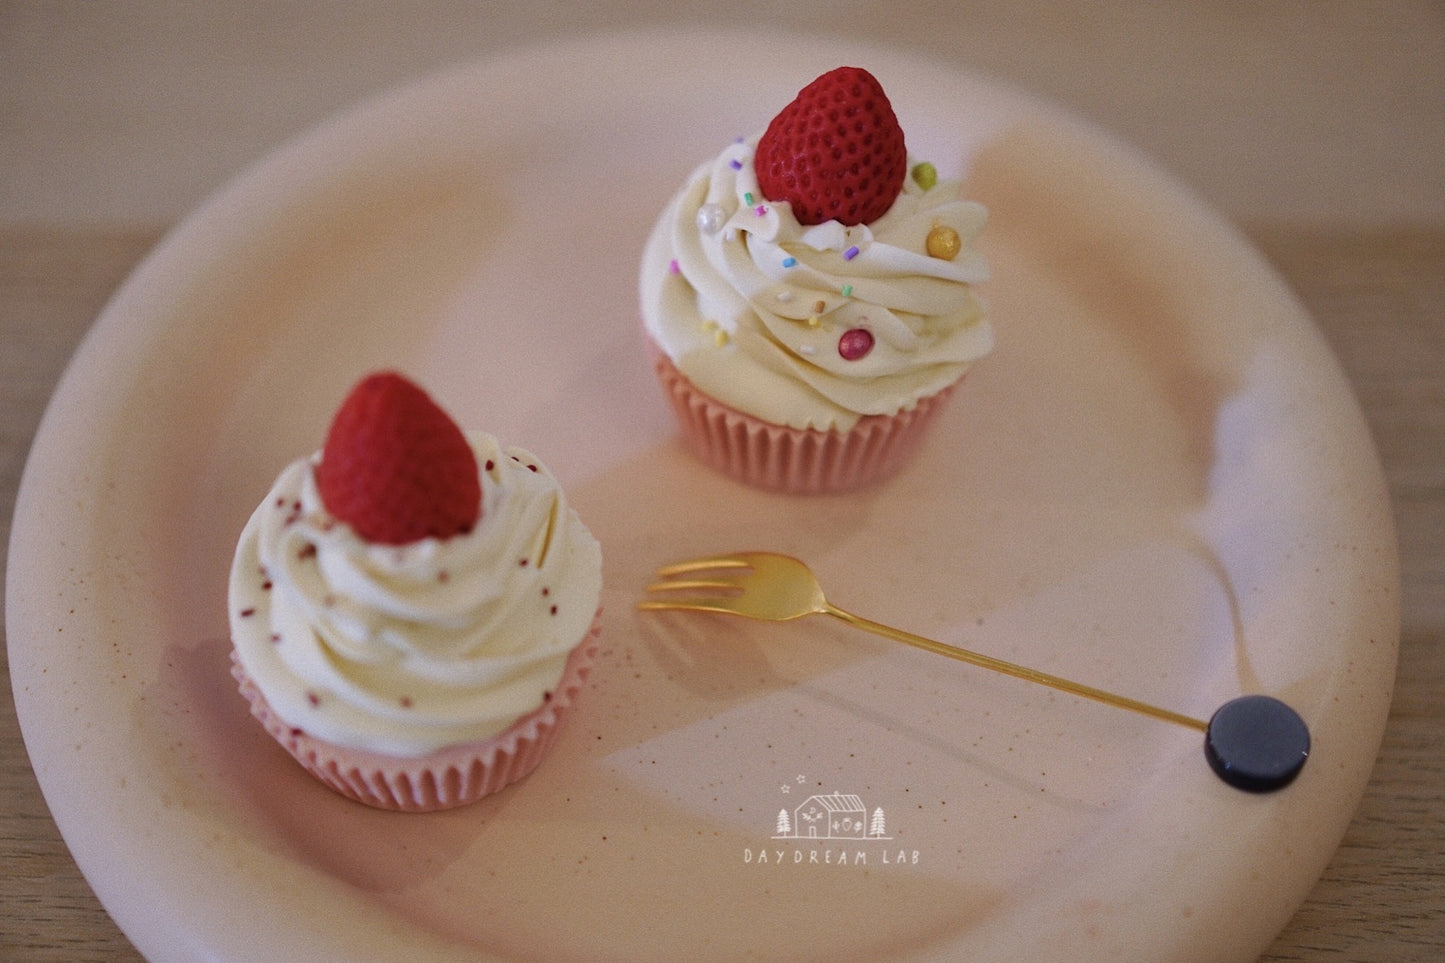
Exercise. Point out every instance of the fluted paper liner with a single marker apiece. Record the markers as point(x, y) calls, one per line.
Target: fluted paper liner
point(449, 777)
point(799, 461)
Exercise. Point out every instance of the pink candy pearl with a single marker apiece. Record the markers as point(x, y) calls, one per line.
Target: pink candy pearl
point(855, 343)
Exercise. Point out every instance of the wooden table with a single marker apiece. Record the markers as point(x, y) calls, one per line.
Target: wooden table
point(1378, 292)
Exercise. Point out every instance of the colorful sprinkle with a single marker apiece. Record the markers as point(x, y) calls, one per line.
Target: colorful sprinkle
point(851, 253)
point(847, 291)
point(760, 210)
point(790, 262)
point(735, 164)
point(719, 334)
point(819, 307)
point(748, 198)
point(673, 267)
point(855, 343)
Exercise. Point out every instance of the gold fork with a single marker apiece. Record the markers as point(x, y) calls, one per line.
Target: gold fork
point(778, 588)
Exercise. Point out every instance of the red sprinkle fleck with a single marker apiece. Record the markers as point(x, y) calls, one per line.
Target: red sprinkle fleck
point(313, 698)
point(554, 610)
point(546, 591)
point(522, 562)
point(247, 613)
point(531, 468)
point(275, 638)
point(406, 702)
point(444, 576)
point(490, 464)
point(266, 586)
point(307, 551)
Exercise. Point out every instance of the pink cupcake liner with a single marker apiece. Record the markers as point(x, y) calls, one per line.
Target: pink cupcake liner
point(449, 777)
point(799, 461)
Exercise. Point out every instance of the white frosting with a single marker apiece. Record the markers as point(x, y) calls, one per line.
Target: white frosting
point(408, 649)
point(731, 285)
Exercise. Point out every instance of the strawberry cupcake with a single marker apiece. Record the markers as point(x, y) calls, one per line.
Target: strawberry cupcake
point(413, 609)
point(808, 296)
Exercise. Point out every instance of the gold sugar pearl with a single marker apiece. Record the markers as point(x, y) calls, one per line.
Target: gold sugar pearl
point(943, 243)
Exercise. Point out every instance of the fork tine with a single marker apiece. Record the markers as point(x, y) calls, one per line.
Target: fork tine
point(691, 584)
point(716, 603)
point(703, 565)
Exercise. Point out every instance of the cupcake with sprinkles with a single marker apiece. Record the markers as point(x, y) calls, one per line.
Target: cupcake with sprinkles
point(809, 295)
point(413, 609)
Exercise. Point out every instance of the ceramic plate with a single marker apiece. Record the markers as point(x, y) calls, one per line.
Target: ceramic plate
point(1159, 483)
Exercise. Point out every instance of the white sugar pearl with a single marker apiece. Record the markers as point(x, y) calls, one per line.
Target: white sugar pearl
point(711, 218)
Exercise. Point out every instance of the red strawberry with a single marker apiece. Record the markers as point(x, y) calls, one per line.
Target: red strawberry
point(835, 152)
point(395, 467)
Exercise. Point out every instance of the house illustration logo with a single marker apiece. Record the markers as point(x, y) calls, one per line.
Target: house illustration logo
point(833, 815)
point(829, 829)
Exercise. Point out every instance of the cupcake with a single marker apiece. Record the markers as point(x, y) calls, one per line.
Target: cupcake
point(808, 296)
point(413, 609)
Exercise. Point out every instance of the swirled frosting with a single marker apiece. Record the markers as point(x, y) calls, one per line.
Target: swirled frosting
point(753, 307)
point(408, 649)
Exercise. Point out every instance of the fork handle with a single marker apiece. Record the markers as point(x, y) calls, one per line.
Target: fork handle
point(1017, 671)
